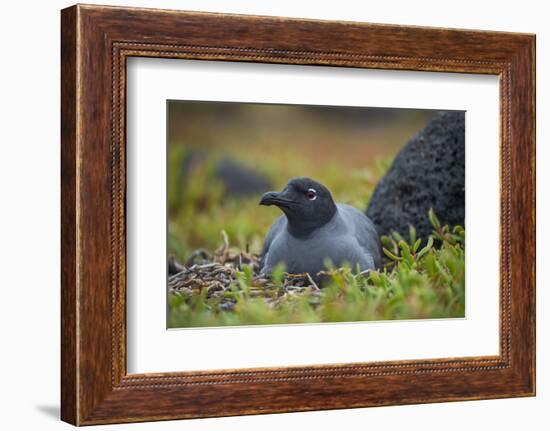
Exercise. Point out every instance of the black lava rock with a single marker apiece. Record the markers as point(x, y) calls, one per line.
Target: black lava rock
point(427, 173)
point(238, 180)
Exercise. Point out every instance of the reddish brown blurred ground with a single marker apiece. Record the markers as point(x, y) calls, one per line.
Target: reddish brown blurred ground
point(350, 136)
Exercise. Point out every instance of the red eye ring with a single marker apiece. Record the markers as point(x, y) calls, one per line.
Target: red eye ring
point(311, 194)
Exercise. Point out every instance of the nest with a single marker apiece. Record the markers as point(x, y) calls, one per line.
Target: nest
point(215, 276)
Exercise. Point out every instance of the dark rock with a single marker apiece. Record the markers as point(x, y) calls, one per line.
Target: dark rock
point(174, 267)
point(240, 180)
point(427, 173)
point(200, 256)
point(237, 179)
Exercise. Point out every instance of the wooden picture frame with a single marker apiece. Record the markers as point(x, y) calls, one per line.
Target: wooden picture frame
point(96, 41)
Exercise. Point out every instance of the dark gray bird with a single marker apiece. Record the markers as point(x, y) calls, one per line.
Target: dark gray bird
point(314, 229)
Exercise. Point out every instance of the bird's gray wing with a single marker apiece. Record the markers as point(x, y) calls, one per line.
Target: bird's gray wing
point(275, 228)
point(364, 231)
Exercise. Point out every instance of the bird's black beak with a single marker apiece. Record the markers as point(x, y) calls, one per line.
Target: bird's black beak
point(269, 198)
point(276, 198)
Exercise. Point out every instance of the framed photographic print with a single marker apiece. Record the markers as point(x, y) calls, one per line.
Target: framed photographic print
point(265, 215)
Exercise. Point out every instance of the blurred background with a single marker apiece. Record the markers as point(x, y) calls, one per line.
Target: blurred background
point(223, 156)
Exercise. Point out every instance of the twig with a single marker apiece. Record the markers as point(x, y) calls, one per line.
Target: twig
point(365, 272)
point(225, 240)
point(312, 282)
point(207, 265)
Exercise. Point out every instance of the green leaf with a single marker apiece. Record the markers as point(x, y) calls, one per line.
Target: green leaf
point(277, 274)
point(412, 234)
point(406, 252)
point(386, 241)
point(433, 219)
point(375, 278)
point(248, 274)
point(397, 236)
point(391, 255)
point(426, 248)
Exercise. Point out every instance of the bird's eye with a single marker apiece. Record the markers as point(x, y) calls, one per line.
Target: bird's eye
point(311, 194)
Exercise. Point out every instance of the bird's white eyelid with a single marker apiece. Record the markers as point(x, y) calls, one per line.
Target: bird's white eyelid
point(314, 194)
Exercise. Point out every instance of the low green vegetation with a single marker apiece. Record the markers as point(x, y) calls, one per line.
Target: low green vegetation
point(421, 278)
